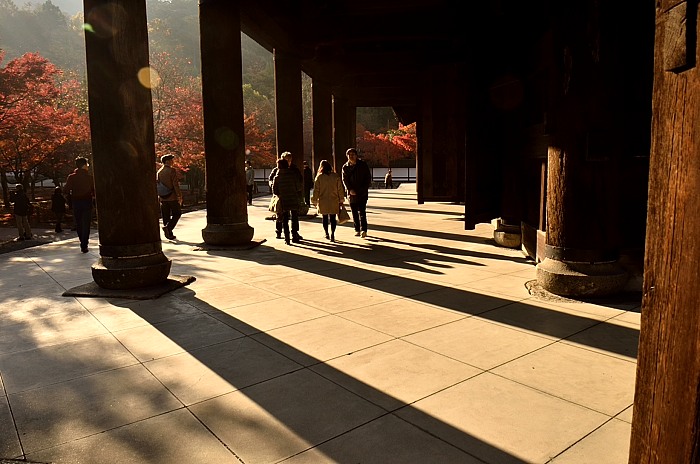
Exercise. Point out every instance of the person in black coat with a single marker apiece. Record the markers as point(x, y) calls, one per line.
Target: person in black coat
point(58, 207)
point(288, 187)
point(357, 179)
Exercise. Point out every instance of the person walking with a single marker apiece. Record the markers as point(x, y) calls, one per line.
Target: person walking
point(58, 207)
point(388, 180)
point(308, 183)
point(170, 204)
point(80, 185)
point(21, 208)
point(249, 180)
point(288, 187)
point(357, 178)
point(294, 213)
point(329, 194)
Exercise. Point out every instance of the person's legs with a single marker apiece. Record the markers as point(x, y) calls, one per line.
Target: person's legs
point(20, 227)
point(176, 214)
point(59, 219)
point(165, 213)
point(307, 197)
point(27, 227)
point(334, 223)
point(325, 224)
point(278, 224)
point(295, 226)
point(250, 194)
point(354, 208)
point(362, 212)
point(285, 226)
point(82, 213)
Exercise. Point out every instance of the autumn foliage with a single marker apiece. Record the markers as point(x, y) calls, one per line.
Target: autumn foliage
point(390, 149)
point(44, 123)
point(41, 123)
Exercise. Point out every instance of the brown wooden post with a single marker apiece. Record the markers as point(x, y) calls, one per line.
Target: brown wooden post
point(322, 143)
point(289, 107)
point(665, 425)
point(123, 152)
point(344, 130)
point(582, 251)
point(224, 136)
point(443, 134)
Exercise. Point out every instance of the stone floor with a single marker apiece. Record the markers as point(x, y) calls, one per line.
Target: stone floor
point(418, 344)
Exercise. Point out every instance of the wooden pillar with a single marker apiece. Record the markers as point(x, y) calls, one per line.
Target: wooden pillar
point(289, 107)
point(344, 130)
point(582, 247)
point(667, 399)
point(443, 135)
point(322, 142)
point(481, 164)
point(224, 137)
point(123, 152)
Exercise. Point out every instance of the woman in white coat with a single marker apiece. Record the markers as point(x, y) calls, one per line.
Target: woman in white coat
point(328, 195)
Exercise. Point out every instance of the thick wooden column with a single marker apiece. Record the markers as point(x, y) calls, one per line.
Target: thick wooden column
point(224, 138)
point(123, 152)
point(344, 130)
point(289, 115)
point(443, 133)
point(582, 248)
point(322, 142)
point(667, 399)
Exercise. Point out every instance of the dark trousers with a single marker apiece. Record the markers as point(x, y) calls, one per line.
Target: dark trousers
point(307, 197)
point(250, 193)
point(329, 218)
point(359, 214)
point(281, 222)
point(59, 220)
point(82, 215)
point(171, 212)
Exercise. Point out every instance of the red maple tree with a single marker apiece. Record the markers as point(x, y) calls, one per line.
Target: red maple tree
point(38, 119)
point(178, 121)
point(387, 149)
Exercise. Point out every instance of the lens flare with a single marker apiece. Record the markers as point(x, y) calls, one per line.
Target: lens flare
point(226, 138)
point(87, 27)
point(149, 77)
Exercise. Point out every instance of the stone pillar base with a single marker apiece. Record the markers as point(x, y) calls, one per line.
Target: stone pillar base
point(506, 235)
point(581, 279)
point(227, 234)
point(131, 272)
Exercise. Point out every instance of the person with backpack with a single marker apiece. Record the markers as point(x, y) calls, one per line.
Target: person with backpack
point(170, 196)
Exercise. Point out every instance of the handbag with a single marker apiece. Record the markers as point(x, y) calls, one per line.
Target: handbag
point(163, 190)
point(343, 215)
point(275, 204)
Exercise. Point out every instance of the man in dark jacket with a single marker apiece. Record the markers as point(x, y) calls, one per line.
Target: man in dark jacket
point(296, 237)
point(288, 187)
point(80, 187)
point(357, 179)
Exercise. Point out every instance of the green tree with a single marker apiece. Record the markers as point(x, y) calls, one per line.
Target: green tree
point(42, 29)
